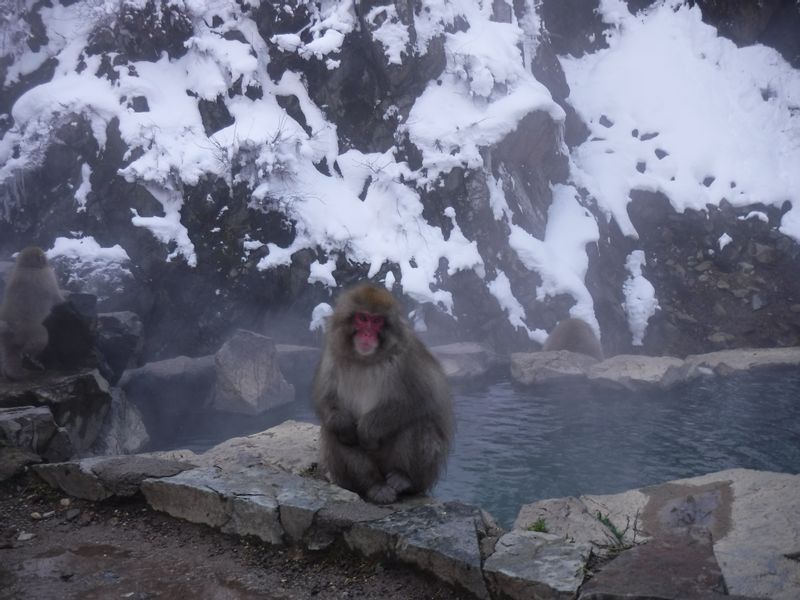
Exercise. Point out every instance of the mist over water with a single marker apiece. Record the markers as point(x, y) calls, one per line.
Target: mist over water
point(518, 445)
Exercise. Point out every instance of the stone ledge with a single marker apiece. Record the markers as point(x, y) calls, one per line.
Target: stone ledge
point(645, 373)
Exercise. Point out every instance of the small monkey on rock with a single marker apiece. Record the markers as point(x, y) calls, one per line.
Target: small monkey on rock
point(31, 293)
point(574, 335)
point(383, 399)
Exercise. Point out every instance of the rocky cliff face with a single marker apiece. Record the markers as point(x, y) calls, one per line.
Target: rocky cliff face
point(195, 151)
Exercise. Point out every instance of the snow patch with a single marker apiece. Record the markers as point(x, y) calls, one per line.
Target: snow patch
point(640, 297)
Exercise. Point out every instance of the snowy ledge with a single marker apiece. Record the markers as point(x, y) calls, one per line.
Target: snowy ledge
point(645, 373)
point(262, 485)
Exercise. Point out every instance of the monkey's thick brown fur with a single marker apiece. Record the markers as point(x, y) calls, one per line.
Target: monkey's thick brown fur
point(574, 335)
point(387, 418)
point(31, 293)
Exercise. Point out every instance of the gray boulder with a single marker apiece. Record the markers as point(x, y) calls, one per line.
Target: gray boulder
point(465, 360)
point(633, 373)
point(557, 367)
point(730, 362)
point(99, 478)
point(166, 391)
point(297, 363)
point(536, 565)
point(123, 431)
point(33, 430)
point(249, 380)
point(79, 402)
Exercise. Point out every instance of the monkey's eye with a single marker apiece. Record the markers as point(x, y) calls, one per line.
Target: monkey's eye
point(361, 319)
point(377, 321)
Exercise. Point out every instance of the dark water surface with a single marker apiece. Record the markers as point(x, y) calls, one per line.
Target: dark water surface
point(515, 445)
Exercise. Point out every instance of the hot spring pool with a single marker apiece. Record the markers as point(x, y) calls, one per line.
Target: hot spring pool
point(517, 445)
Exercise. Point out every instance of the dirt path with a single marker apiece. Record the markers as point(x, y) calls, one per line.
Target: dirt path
point(125, 550)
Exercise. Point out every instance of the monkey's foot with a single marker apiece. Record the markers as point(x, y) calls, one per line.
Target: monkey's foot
point(399, 482)
point(381, 493)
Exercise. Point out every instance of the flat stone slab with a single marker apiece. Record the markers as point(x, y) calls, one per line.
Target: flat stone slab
point(730, 362)
point(645, 373)
point(632, 373)
point(441, 538)
point(263, 501)
point(99, 478)
point(292, 445)
point(753, 518)
point(536, 565)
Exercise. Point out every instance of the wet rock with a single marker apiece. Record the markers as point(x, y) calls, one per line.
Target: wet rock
point(78, 402)
point(633, 373)
point(292, 445)
point(71, 330)
point(536, 565)
point(674, 567)
point(167, 390)
point(442, 539)
point(98, 478)
point(119, 339)
point(249, 379)
point(562, 366)
point(297, 363)
point(33, 430)
point(465, 360)
point(123, 431)
point(730, 362)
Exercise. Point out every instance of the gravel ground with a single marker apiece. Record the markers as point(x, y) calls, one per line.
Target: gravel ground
point(54, 547)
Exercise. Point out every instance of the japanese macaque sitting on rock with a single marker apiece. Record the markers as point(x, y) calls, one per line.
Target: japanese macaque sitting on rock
point(384, 401)
point(31, 293)
point(574, 335)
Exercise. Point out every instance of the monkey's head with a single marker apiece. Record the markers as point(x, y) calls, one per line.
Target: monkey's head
point(32, 257)
point(366, 321)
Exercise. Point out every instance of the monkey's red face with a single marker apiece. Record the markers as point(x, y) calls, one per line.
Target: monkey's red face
point(368, 327)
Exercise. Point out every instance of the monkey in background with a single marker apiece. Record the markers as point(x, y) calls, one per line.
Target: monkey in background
point(574, 335)
point(383, 400)
point(31, 293)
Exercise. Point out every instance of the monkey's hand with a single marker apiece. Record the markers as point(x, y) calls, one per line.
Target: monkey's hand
point(343, 426)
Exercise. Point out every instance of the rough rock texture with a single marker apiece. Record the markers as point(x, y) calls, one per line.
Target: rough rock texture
point(465, 360)
point(249, 379)
point(102, 477)
point(33, 429)
point(730, 362)
point(752, 519)
point(123, 431)
point(540, 368)
point(119, 339)
point(536, 565)
point(633, 373)
point(441, 538)
point(292, 445)
point(165, 391)
point(646, 373)
point(570, 519)
point(79, 402)
point(297, 363)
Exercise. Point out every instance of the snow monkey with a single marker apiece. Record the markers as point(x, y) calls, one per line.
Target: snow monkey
point(574, 335)
point(383, 399)
point(31, 293)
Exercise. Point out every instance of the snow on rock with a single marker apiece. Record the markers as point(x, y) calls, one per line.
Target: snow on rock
point(703, 119)
point(640, 297)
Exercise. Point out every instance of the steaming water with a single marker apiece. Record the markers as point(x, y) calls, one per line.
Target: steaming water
point(515, 446)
